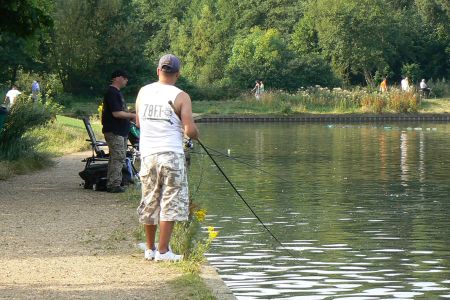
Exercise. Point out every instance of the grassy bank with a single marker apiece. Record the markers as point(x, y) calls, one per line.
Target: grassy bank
point(62, 136)
point(313, 100)
point(279, 104)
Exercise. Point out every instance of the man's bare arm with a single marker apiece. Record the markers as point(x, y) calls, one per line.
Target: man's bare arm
point(183, 108)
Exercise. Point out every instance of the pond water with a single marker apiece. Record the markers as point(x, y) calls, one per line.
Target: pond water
point(362, 208)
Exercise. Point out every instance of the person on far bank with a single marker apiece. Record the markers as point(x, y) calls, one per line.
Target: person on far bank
point(424, 89)
point(11, 96)
point(261, 88)
point(116, 125)
point(383, 85)
point(164, 115)
point(405, 84)
point(256, 89)
point(35, 90)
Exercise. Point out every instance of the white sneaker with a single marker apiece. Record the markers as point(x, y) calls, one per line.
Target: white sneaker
point(149, 254)
point(168, 256)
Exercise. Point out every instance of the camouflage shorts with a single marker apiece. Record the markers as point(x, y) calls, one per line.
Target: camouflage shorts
point(165, 194)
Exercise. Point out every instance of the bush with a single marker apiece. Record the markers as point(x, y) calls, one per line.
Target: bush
point(50, 84)
point(188, 239)
point(23, 116)
point(401, 102)
point(373, 103)
point(440, 88)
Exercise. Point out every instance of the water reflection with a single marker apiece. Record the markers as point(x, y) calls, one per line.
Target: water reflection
point(404, 158)
point(364, 209)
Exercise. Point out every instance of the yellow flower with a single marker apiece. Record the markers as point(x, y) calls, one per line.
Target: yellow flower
point(200, 215)
point(100, 109)
point(213, 234)
point(210, 228)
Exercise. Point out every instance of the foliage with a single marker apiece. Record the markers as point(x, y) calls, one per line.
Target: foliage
point(188, 240)
point(401, 102)
point(50, 84)
point(439, 88)
point(258, 55)
point(224, 45)
point(23, 117)
point(24, 17)
point(23, 27)
point(91, 39)
point(374, 103)
point(412, 71)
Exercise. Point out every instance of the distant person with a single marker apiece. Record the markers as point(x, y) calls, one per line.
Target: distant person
point(261, 88)
point(116, 125)
point(164, 116)
point(256, 89)
point(11, 96)
point(383, 85)
point(405, 84)
point(35, 90)
point(424, 89)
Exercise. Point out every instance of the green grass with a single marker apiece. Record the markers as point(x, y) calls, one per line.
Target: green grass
point(273, 103)
point(63, 136)
point(192, 287)
point(435, 105)
point(253, 107)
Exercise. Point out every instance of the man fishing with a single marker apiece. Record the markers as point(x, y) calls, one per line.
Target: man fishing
point(164, 115)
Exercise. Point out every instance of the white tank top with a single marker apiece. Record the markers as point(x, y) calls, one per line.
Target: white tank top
point(160, 127)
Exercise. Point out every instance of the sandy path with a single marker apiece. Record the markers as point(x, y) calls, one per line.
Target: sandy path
point(59, 241)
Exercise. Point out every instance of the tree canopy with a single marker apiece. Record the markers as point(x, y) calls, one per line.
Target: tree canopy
point(226, 43)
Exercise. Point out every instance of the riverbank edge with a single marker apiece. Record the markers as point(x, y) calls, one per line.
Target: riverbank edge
point(215, 283)
point(325, 118)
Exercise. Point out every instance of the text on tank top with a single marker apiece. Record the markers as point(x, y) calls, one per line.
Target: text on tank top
point(160, 127)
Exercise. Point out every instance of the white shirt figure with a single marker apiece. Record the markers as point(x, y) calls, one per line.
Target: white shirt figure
point(405, 84)
point(423, 84)
point(11, 95)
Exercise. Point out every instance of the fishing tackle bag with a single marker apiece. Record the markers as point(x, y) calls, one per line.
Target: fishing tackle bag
point(95, 176)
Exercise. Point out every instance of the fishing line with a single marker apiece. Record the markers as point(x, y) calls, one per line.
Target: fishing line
point(202, 172)
point(246, 203)
point(239, 194)
point(247, 164)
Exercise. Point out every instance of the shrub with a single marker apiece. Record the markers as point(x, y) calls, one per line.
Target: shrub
point(440, 88)
point(373, 103)
point(23, 117)
point(188, 239)
point(50, 84)
point(401, 102)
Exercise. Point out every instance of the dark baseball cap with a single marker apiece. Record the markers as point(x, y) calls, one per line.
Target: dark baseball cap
point(169, 63)
point(118, 73)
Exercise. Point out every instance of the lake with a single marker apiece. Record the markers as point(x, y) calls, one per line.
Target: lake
point(362, 210)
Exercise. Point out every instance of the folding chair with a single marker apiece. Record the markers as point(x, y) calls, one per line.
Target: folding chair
point(95, 177)
point(97, 153)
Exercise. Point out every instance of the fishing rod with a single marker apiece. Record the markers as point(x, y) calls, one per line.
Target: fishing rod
point(239, 194)
point(242, 198)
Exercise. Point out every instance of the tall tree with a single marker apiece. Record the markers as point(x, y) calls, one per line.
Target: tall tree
point(22, 27)
point(24, 17)
point(258, 55)
point(356, 35)
point(93, 37)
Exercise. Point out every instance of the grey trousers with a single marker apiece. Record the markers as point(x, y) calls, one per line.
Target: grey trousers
point(117, 153)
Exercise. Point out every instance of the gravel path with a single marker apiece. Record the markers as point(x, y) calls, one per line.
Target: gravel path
point(59, 241)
